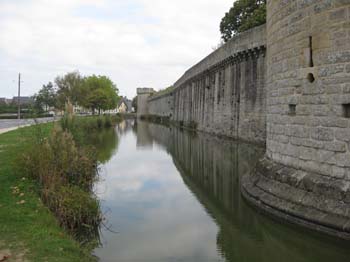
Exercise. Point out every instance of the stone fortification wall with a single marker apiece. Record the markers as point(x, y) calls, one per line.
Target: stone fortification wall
point(249, 40)
point(295, 96)
point(161, 105)
point(223, 94)
point(305, 176)
point(142, 103)
point(308, 85)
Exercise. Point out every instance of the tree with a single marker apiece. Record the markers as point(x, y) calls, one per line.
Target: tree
point(45, 98)
point(7, 108)
point(69, 89)
point(134, 103)
point(99, 92)
point(244, 14)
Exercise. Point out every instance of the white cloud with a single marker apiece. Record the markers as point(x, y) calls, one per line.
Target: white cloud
point(136, 43)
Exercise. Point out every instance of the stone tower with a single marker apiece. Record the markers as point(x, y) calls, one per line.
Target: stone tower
point(305, 176)
point(142, 104)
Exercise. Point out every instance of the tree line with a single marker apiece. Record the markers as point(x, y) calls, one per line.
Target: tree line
point(95, 93)
point(243, 15)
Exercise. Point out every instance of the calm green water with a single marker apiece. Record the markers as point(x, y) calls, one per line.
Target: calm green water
point(172, 195)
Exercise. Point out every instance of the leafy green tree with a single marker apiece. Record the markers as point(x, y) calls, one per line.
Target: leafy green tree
point(7, 108)
point(99, 93)
point(69, 89)
point(244, 14)
point(45, 98)
point(134, 103)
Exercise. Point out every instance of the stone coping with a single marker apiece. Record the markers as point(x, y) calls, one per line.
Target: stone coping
point(162, 95)
point(307, 199)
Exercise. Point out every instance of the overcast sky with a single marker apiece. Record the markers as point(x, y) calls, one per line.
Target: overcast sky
point(136, 43)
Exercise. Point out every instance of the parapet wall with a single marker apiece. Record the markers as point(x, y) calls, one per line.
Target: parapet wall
point(252, 39)
point(223, 94)
point(161, 105)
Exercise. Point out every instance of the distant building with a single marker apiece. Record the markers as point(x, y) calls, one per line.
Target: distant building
point(5, 101)
point(81, 110)
point(24, 100)
point(124, 105)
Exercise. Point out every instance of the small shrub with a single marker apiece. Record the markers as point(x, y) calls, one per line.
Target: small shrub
point(66, 122)
point(77, 211)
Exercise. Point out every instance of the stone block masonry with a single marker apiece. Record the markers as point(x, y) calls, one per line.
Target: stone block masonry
point(224, 94)
point(305, 175)
point(286, 84)
point(142, 104)
point(161, 105)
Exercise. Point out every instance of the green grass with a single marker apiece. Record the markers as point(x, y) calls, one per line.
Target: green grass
point(29, 227)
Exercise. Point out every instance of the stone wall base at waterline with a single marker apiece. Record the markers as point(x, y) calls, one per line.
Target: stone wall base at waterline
point(307, 199)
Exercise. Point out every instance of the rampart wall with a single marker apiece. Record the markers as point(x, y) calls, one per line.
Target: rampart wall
point(161, 105)
point(305, 175)
point(286, 83)
point(223, 94)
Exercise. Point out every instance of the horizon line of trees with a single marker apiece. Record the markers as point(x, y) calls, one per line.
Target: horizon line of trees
point(94, 92)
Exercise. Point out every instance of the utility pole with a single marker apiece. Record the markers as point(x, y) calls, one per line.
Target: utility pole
point(19, 95)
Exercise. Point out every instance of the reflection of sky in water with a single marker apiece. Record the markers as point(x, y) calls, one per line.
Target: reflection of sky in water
point(163, 215)
point(156, 215)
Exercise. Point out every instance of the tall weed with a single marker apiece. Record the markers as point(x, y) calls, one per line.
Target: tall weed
point(65, 166)
point(65, 174)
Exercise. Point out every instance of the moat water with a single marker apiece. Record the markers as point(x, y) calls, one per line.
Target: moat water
point(173, 195)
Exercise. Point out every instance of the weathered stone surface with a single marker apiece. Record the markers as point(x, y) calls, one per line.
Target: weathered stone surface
point(348, 68)
point(305, 198)
point(162, 105)
point(225, 93)
point(319, 131)
point(142, 103)
point(314, 141)
point(322, 133)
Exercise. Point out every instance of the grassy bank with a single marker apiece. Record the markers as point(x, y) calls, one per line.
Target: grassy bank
point(46, 199)
point(27, 227)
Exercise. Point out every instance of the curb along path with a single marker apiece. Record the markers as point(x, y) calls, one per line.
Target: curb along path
point(7, 125)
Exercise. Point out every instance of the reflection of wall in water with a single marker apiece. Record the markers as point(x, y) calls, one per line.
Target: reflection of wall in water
point(144, 138)
point(213, 162)
point(211, 168)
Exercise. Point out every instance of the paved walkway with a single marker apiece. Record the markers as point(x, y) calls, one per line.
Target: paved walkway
point(12, 124)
